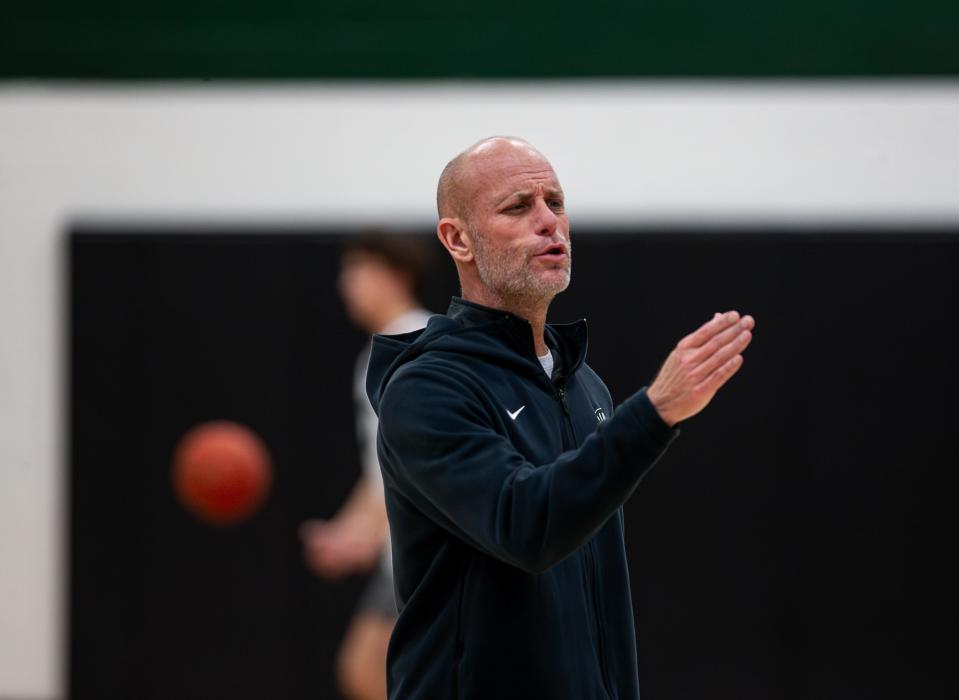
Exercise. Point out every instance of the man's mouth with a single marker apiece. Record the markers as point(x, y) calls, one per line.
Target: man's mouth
point(553, 252)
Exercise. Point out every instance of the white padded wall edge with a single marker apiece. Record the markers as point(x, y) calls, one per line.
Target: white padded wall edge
point(626, 153)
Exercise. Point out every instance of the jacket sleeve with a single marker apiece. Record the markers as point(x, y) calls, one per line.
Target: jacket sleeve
point(438, 448)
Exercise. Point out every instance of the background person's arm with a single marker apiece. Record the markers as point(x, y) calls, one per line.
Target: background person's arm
point(352, 540)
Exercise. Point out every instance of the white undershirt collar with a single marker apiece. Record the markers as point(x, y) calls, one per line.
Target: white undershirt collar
point(547, 362)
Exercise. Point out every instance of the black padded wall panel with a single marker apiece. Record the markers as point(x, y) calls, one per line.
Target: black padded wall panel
point(790, 544)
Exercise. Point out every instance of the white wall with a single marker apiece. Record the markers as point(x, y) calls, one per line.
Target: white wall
point(625, 152)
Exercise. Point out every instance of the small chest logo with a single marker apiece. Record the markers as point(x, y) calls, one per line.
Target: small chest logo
point(600, 415)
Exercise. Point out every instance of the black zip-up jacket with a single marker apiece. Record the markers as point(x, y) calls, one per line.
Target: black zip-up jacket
point(504, 492)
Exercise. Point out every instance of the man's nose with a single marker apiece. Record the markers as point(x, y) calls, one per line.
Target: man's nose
point(546, 219)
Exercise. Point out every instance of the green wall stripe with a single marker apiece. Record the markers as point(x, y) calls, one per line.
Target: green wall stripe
point(378, 39)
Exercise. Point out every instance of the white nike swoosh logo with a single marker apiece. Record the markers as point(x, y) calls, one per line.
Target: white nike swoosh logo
point(513, 415)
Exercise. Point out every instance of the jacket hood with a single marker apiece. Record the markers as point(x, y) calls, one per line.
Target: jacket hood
point(492, 335)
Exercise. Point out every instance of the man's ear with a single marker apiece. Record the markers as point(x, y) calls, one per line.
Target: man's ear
point(455, 237)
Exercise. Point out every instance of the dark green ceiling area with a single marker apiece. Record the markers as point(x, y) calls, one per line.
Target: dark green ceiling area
point(295, 39)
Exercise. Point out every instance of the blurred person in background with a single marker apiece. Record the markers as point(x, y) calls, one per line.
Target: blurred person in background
point(380, 282)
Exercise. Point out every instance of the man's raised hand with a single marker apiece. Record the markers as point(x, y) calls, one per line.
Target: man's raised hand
point(701, 363)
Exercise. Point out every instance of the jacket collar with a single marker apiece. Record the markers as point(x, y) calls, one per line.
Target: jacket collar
point(569, 341)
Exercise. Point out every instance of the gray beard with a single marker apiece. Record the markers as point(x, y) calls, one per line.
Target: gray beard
point(510, 278)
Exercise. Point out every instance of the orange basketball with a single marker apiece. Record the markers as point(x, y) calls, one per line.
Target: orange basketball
point(221, 472)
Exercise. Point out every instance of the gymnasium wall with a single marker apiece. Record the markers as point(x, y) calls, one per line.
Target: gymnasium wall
point(825, 117)
point(292, 39)
point(634, 155)
point(789, 545)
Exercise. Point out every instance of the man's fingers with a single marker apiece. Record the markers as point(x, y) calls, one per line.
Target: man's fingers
point(715, 381)
point(724, 354)
point(719, 349)
point(728, 335)
point(708, 330)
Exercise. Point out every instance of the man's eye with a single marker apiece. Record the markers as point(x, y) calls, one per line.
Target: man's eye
point(556, 203)
point(516, 207)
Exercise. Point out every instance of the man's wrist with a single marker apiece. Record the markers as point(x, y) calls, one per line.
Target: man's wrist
point(657, 404)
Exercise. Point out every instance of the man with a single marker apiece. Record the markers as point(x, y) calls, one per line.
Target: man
point(505, 467)
point(380, 283)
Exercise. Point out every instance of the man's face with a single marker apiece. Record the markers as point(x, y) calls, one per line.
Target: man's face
point(519, 227)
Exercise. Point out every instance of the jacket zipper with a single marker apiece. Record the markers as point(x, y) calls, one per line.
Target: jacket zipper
point(591, 561)
point(568, 422)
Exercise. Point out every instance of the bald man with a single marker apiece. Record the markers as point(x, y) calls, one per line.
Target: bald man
point(504, 463)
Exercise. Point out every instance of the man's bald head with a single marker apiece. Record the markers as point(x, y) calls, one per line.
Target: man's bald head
point(462, 175)
point(503, 221)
